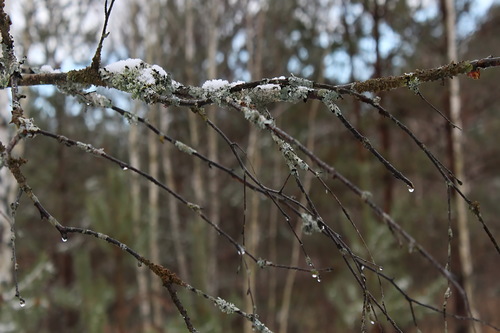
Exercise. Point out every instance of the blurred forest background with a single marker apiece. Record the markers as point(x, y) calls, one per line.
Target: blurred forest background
point(85, 285)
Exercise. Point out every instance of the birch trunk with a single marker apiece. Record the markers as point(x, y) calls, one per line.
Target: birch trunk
point(457, 139)
point(135, 186)
point(254, 27)
point(213, 185)
point(198, 227)
point(7, 183)
point(152, 56)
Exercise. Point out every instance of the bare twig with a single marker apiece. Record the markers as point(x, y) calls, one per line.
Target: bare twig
point(96, 60)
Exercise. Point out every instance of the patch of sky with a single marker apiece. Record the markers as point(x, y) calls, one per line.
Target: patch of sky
point(337, 67)
point(307, 71)
point(293, 38)
point(469, 22)
point(303, 53)
point(294, 65)
point(235, 58)
point(427, 10)
point(388, 39)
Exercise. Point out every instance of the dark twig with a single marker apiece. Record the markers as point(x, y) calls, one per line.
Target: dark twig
point(180, 307)
point(96, 60)
point(437, 110)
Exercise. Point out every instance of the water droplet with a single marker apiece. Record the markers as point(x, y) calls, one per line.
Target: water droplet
point(64, 238)
point(318, 279)
point(314, 275)
point(241, 250)
point(22, 302)
point(380, 268)
point(362, 267)
point(326, 191)
point(124, 168)
point(411, 189)
point(139, 264)
point(372, 322)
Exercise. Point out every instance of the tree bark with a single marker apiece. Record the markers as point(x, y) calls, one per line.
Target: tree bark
point(457, 158)
point(152, 55)
point(254, 28)
point(135, 186)
point(213, 184)
point(7, 184)
point(198, 227)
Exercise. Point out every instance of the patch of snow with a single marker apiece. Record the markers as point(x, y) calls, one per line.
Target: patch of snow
point(48, 69)
point(160, 70)
point(212, 85)
point(269, 86)
point(233, 84)
point(147, 76)
point(119, 66)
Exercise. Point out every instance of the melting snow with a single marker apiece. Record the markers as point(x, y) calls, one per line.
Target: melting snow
point(119, 66)
point(212, 85)
point(48, 69)
point(269, 86)
point(146, 71)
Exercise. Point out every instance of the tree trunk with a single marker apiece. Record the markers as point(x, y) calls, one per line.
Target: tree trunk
point(213, 185)
point(135, 187)
point(383, 127)
point(135, 191)
point(457, 158)
point(154, 209)
point(154, 169)
point(7, 184)
point(198, 227)
point(254, 29)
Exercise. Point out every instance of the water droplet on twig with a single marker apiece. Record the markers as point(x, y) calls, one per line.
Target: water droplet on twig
point(22, 302)
point(411, 189)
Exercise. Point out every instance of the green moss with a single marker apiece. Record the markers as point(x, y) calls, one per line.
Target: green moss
point(419, 76)
point(87, 76)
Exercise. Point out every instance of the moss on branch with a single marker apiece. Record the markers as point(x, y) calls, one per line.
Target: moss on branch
point(405, 80)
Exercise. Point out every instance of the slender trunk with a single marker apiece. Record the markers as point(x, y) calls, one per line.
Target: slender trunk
point(273, 241)
point(198, 228)
point(138, 230)
point(120, 309)
point(385, 138)
point(213, 185)
point(464, 248)
point(173, 207)
point(294, 262)
point(254, 28)
point(290, 279)
point(361, 152)
point(7, 184)
point(153, 208)
point(135, 188)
